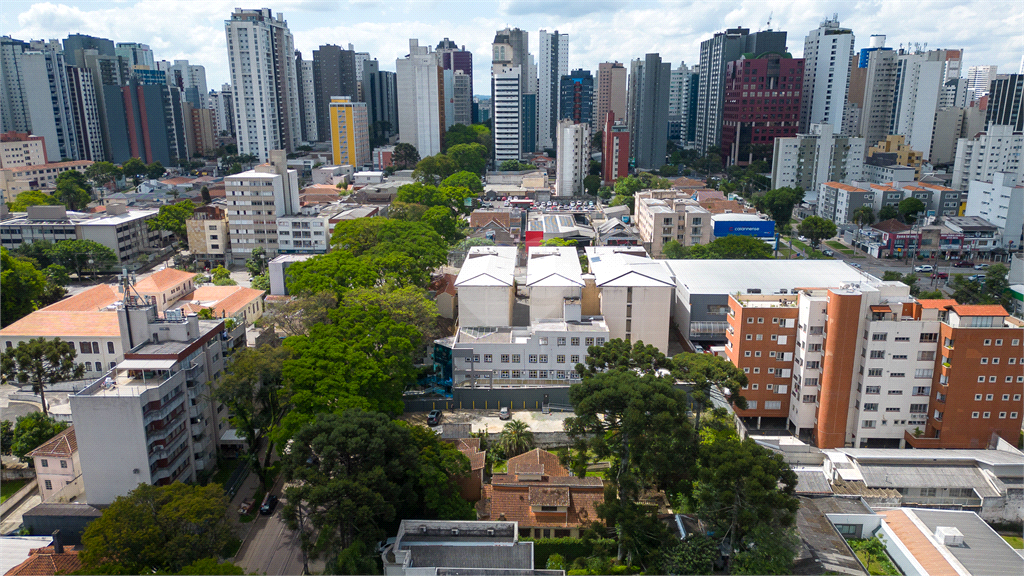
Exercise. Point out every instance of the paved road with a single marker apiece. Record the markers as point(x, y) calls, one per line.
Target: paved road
point(272, 548)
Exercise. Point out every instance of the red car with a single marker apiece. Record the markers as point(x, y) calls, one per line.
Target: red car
point(963, 264)
point(941, 275)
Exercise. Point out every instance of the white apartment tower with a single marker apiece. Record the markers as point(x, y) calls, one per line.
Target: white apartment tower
point(421, 101)
point(818, 156)
point(308, 101)
point(991, 152)
point(828, 55)
point(879, 85)
point(979, 78)
point(189, 78)
point(222, 104)
point(507, 85)
point(254, 201)
point(573, 158)
point(265, 83)
point(554, 63)
point(919, 84)
point(681, 88)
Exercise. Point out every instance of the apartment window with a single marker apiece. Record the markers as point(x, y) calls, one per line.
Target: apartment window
point(871, 407)
point(988, 397)
point(981, 378)
point(984, 360)
point(543, 358)
point(988, 342)
point(977, 397)
point(504, 373)
point(873, 390)
point(1006, 397)
point(879, 336)
point(892, 409)
point(561, 341)
point(759, 336)
point(750, 320)
point(533, 373)
point(533, 358)
point(813, 364)
point(753, 386)
point(986, 414)
point(773, 405)
point(874, 372)
point(88, 366)
point(575, 341)
point(878, 354)
point(770, 387)
point(560, 358)
point(574, 359)
point(757, 354)
point(895, 392)
point(999, 342)
point(600, 341)
point(974, 414)
point(49, 485)
point(1016, 397)
point(919, 408)
point(110, 347)
point(896, 375)
point(63, 463)
point(926, 355)
point(930, 337)
point(867, 424)
point(1013, 415)
point(1002, 414)
point(746, 354)
point(746, 370)
point(750, 336)
point(504, 358)
point(488, 358)
point(45, 463)
point(516, 359)
point(85, 347)
point(810, 398)
point(992, 379)
point(589, 341)
point(995, 360)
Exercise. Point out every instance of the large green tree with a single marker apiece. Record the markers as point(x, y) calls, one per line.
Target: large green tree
point(864, 216)
point(470, 158)
point(103, 173)
point(40, 362)
point(353, 475)
point(408, 251)
point(32, 198)
point(407, 305)
point(376, 353)
point(703, 374)
point(779, 203)
point(515, 439)
point(173, 218)
point(405, 156)
point(71, 195)
point(82, 256)
point(135, 169)
point(335, 272)
point(253, 389)
point(433, 169)
point(909, 208)
point(155, 528)
point(888, 213)
point(816, 229)
point(464, 179)
point(296, 315)
point(725, 248)
point(23, 287)
point(32, 431)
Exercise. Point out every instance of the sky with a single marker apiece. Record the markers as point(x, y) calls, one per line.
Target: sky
point(990, 31)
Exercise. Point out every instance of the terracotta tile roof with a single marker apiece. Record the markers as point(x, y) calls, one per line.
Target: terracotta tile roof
point(62, 445)
point(941, 304)
point(892, 226)
point(91, 300)
point(471, 448)
point(841, 186)
point(549, 496)
point(514, 501)
point(51, 165)
point(688, 183)
point(43, 562)
point(444, 285)
point(178, 180)
point(225, 301)
point(468, 444)
point(534, 458)
point(919, 546)
point(164, 279)
point(980, 310)
point(51, 324)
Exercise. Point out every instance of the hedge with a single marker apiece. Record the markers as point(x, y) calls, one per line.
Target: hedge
point(569, 548)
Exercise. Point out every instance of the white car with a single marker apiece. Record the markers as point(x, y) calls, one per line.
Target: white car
point(980, 266)
point(924, 268)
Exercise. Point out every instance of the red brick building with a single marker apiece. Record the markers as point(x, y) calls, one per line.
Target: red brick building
point(762, 103)
point(615, 151)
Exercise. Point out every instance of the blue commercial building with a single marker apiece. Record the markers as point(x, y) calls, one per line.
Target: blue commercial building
point(528, 122)
point(576, 97)
point(742, 225)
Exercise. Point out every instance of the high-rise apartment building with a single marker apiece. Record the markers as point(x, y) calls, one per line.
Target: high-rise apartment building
point(307, 98)
point(86, 114)
point(460, 62)
point(421, 99)
point(75, 43)
point(137, 55)
point(265, 83)
point(554, 64)
point(867, 365)
point(918, 84)
point(380, 92)
point(334, 74)
point(253, 225)
point(809, 159)
point(715, 54)
point(615, 150)
point(751, 120)
point(350, 133)
point(21, 149)
point(573, 157)
point(1000, 202)
point(106, 70)
point(979, 78)
point(875, 100)
point(222, 104)
point(1006, 102)
point(576, 97)
point(36, 94)
point(611, 92)
point(647, 111)
point(360, 58)
point(828, 56)
point(146, 121)
point(509, 63)
point(190, 79)
point(682, 104)
point(982, 157)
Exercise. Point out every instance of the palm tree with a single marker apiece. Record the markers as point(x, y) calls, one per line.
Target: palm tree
point(515, 438)
point(863, 216)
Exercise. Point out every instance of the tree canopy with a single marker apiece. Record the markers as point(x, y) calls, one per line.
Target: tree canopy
point(32, 431)
point(779, 203)
point(816, 229)
point(23, 286)
point(71, 193)
point(434, 169)
point(888, 213)
point(40, 362)
point(392, 250)
point(725, 248)
point(864, 216)
point(462, 134)
point(464, 179)
point(909, 208)
point(82, 256)
point(32, 198)
point(103, 173)
point(514, 165)
point(173, 218)
point(405, 156)
point(470, 158)
point(158, 528)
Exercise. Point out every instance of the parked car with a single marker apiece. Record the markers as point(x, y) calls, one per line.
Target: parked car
point(269, 503)
point(434, 418)
point(981, 266)
point(963, 264)
point(941, 275)
point(505, 413)
point(854, 264)
point(828, 252)
point(980, 278)
point(924, 268)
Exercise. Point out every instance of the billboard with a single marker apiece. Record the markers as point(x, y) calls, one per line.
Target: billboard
point(755, 228)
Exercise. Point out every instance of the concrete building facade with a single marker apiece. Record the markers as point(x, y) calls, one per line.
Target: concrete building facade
point(647, 111)
point(21, 149)
point(982, 156)
point(828, 57)
point(552, 66)
point(254, 200)
point(350, 132)
point(810, 159)
point(611, 92)
point(615, 163)
point(420, 99)
point(573, 157)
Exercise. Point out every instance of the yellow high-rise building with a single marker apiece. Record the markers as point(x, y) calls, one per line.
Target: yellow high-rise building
point(350, 132)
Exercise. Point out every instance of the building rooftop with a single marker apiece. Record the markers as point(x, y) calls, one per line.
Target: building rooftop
point(514, 334)
point(769, 276)
point(841, 186)
point(51, 165)
point(970, 223)
point(163, 280)
point(940, 304)
point(822, 549)
point(47, 562)
point(51, 323)
point(553, 266)
point(983, 550)
point(225, 301)
point(488, 266)
point(460, 544)
point(979, 310)
point(627, 266)
point(63, 445)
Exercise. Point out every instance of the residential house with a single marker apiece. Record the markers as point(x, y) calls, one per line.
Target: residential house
point(56, 462)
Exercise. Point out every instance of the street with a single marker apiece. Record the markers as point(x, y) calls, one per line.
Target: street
point(271, 548)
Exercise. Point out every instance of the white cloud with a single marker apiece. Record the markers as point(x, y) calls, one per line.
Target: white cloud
point(990, 31)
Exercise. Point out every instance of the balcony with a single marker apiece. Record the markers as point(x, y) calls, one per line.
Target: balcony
point(921, 442)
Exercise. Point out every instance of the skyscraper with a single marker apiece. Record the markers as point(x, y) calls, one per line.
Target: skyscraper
point(828, 56)
point(750, 131)
point(682, 104)
point(265, 83)
point(223, 110)
point(1006, 102)
point(872, 96)
point(190, 79)
point(421, 106)
point(615, 150)
point(146, 121)
point(509, 61)
point(554, 63)
point(77, 42)
point(460, 62)
point(647, 111)
point(715, 54)
point(979, 78)
point(36, 94)
point(611, 92)
point(919, 83)
point(136, 54)
point(380, 92)
point(334, 74)
point(307, 98)
point(85, 111)
point(576, 98)
point(350, 135)
point(573, 158)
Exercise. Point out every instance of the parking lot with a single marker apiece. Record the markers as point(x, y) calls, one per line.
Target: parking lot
point(488, 419)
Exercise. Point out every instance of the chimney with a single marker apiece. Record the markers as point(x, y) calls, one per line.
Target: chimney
point(58, 542)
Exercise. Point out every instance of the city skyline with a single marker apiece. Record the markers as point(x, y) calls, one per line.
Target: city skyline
point(195, 31)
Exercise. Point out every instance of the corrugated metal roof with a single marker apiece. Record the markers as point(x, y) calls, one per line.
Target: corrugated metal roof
point(927, 476)
point(812, 482)
point(983, 552)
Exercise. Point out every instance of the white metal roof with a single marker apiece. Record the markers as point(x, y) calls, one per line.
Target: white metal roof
point(147, 364)
point(627, 266)
point(770, 276)
point(553, 266)
point(488, 266)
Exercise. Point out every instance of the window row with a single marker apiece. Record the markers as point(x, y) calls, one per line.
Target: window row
point(544, 374)
point(1013, 415)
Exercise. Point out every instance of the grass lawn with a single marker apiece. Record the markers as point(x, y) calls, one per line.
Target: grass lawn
point(500, 467)
point(880, 565)
point(847, 251)
point(8, 489)
point(800, 245)
point(1015, 541)
point(836, 244)
point(785, 253)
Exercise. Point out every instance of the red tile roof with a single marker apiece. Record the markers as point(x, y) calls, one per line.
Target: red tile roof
point(892, 226)
point(941, 304)
point(43, 562)
point(62, 445)
point(980, 310)
point(164, 279)
point(542, 461)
